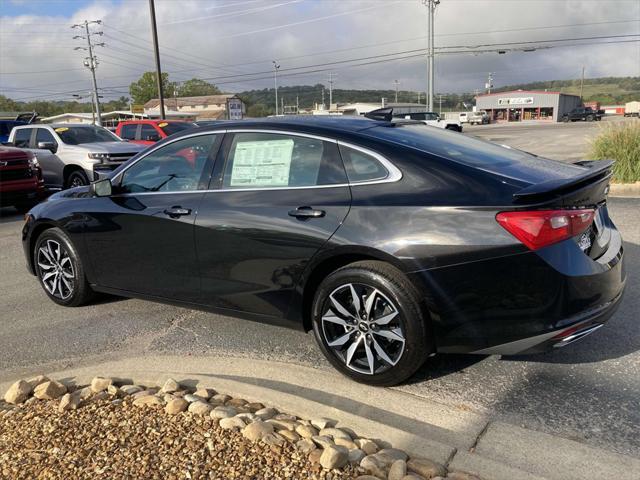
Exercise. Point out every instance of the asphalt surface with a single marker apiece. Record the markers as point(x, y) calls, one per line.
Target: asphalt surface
point(588, 391)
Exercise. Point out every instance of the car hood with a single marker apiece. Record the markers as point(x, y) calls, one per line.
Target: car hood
point(110, 147)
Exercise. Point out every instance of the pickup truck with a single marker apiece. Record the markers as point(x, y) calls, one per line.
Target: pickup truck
point(586, 114)
point(148, 132)
point(432, 119)
point(21, 183)
point(72, 155)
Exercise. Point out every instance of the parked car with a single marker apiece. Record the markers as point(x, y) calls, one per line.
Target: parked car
point(73, 154)
point(432, 119)
point(586, 114)
point(632, 109)
point(391, 241)
point(148, 132)
point(21, 184)
point(480, 117)
point(5, 128)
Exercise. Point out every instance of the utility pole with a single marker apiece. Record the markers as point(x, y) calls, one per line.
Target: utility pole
point(418, 97)
point(91, 62)
point(440, 95)
point(489, 84)
point(431, 9)
point(322, 98)
point(156, 49)
point(276, 66)
point(330, 89)
point(581, 83)
point(397, 83)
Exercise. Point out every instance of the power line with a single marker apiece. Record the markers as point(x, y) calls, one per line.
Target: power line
point(231, 14)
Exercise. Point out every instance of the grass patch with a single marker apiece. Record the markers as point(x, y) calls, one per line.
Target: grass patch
point(620, 142)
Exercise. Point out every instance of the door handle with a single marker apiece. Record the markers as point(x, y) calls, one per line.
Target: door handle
point(306, 212)
point(177, 212)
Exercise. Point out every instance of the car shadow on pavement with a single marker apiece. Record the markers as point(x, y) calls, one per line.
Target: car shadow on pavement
point(9, 214)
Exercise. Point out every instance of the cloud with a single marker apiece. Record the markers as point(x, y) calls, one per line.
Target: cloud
point(233, 43)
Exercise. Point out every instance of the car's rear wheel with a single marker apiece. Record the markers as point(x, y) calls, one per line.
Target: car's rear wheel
point(368, 322)
point(60, 270)
point(77, 179)
point(565, 119)
point(589, 118)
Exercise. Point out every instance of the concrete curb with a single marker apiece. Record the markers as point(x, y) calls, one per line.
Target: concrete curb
point(624, 189)
point(456, 437)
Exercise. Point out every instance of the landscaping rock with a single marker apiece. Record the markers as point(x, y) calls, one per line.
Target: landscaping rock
point(191, 397)
point(236, 402)
point(231, 423)
point(99, 384)
point(367, 477)
point(322, 441)
point(113, 390)
point(335, 433)
point(393, 454)
point(343, 442)
point(266, 413)
point(306, 445)
point(398, 470)
point(170, 386)
point(289, 435)
point(273, 439)
point(306, 431)
point(356, 455)
point(221, 397)
point(283, 424)
point(204, 393)
point(254, 406)
point(248, 417)
point(223, 412)
point(367, 446)
point(130, 389)
point(35, 381)
point(461, 476)
point(257, 430)
point(176, 405)
point(426, 468)
point(200, 408)
point(18, 392)
point(374, 466)
point(314, 456)
point(322, 422)
point(69, 401)
point(334, 457)
point(49, 390)
point(147, 400)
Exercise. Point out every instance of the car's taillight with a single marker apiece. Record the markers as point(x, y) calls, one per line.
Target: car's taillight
point(539, 228)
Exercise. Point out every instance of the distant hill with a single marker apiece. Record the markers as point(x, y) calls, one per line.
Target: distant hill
point(607, 90)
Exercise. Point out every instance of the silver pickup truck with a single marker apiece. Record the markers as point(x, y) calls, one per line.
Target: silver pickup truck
point(73, 154)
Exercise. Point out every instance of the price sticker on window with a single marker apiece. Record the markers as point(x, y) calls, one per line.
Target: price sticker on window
point(262, 163)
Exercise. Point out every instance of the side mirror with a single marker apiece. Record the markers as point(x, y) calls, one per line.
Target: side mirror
point(101, 188)
point(51, 146)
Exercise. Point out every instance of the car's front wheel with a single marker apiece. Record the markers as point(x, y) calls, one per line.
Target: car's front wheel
point(77, 179)
point(60, 270)
point(368, 322)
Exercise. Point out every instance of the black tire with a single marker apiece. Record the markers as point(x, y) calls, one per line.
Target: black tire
point(77, 178)
point(565, 119)
point(392, 287)
point(79, 291)
point(589, 118)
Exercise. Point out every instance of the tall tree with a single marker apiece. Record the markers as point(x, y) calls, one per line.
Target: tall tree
point(145, 88)
point(196, 87)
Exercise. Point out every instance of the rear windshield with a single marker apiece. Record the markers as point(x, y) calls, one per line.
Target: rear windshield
point(88, 134)
point(174, 127)
point(476, 153)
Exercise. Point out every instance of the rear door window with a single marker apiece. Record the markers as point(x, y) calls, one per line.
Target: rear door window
point(268, 160)
point(22, 136)
point(128, 132)
point(149, 133)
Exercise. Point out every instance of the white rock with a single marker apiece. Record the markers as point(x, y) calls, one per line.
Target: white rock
point(99, 384)
point(231, 423)
point(266, 413)
point(49, 390)
point(323, 442)
point(306, 445)
point(334, 457)
point(367, 446)
point(322, 422)
point(147, 400)
point(200, 408)
point(335, 433)
point(398, 470)
point(223, 412)
point(257, 430)
point(373, 466)
point(130, 389)
point(35, 381)
point(393, 454)
point(204, 393)
point(170, 386)
point(283, 424)
point(176, 405)
point(69, 401)
point(306, 431)
point(18, 392)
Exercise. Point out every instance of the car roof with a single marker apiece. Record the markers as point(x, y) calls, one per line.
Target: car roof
point(146, 120)
point(56, 125)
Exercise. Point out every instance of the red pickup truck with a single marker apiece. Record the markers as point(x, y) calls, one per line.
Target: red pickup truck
point(148, 132)
point(21, 183)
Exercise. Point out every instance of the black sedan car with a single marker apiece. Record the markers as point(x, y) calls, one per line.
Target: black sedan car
point(391, 241)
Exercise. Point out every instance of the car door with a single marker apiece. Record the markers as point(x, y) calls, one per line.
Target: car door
point(148, 134)
point(52, 165)
point(276, 200)
point(141, 238)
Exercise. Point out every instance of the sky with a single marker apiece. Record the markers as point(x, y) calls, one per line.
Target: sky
point(364, 44)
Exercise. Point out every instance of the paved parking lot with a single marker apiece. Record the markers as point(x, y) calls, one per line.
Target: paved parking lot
point(588, 391)
point(559, 141)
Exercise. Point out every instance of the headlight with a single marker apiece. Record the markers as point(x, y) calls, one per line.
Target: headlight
point(99, 156)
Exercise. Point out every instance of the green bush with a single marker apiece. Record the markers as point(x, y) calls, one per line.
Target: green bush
point(620, 142)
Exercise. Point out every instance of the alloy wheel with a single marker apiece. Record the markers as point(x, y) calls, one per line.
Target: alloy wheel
point(77, 181)
point(362, 327)
point(56, 269)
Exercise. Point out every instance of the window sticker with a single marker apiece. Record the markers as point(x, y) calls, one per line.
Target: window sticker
point(262, 163)
point(62, 129)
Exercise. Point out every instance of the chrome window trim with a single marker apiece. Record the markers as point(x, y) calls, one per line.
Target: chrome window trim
point(394, 174)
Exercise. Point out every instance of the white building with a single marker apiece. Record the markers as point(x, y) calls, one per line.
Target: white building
point(206, 107)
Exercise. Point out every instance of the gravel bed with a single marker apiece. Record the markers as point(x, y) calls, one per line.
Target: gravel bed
point(50, 430)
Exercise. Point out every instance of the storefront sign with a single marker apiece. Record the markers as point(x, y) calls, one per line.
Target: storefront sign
point(234, 106)
point(515, 101)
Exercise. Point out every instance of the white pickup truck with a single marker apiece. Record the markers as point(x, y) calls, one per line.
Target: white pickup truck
point(72, 155)
point(474, 118)
point(431, 118)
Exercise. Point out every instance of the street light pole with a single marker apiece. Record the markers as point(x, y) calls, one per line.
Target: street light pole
point(156, 49)
point(276, 66)
point(431, 9)
point(397, 83)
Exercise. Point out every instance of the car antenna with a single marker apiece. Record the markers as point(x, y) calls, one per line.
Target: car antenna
point(381, 114)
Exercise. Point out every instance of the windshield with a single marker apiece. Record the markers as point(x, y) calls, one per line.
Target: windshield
point(174, 127)
point(88, 134)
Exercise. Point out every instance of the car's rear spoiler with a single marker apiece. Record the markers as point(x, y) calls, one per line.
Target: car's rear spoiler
point(595, 172)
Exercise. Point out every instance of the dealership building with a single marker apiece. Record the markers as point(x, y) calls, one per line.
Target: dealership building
point(527, 105)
